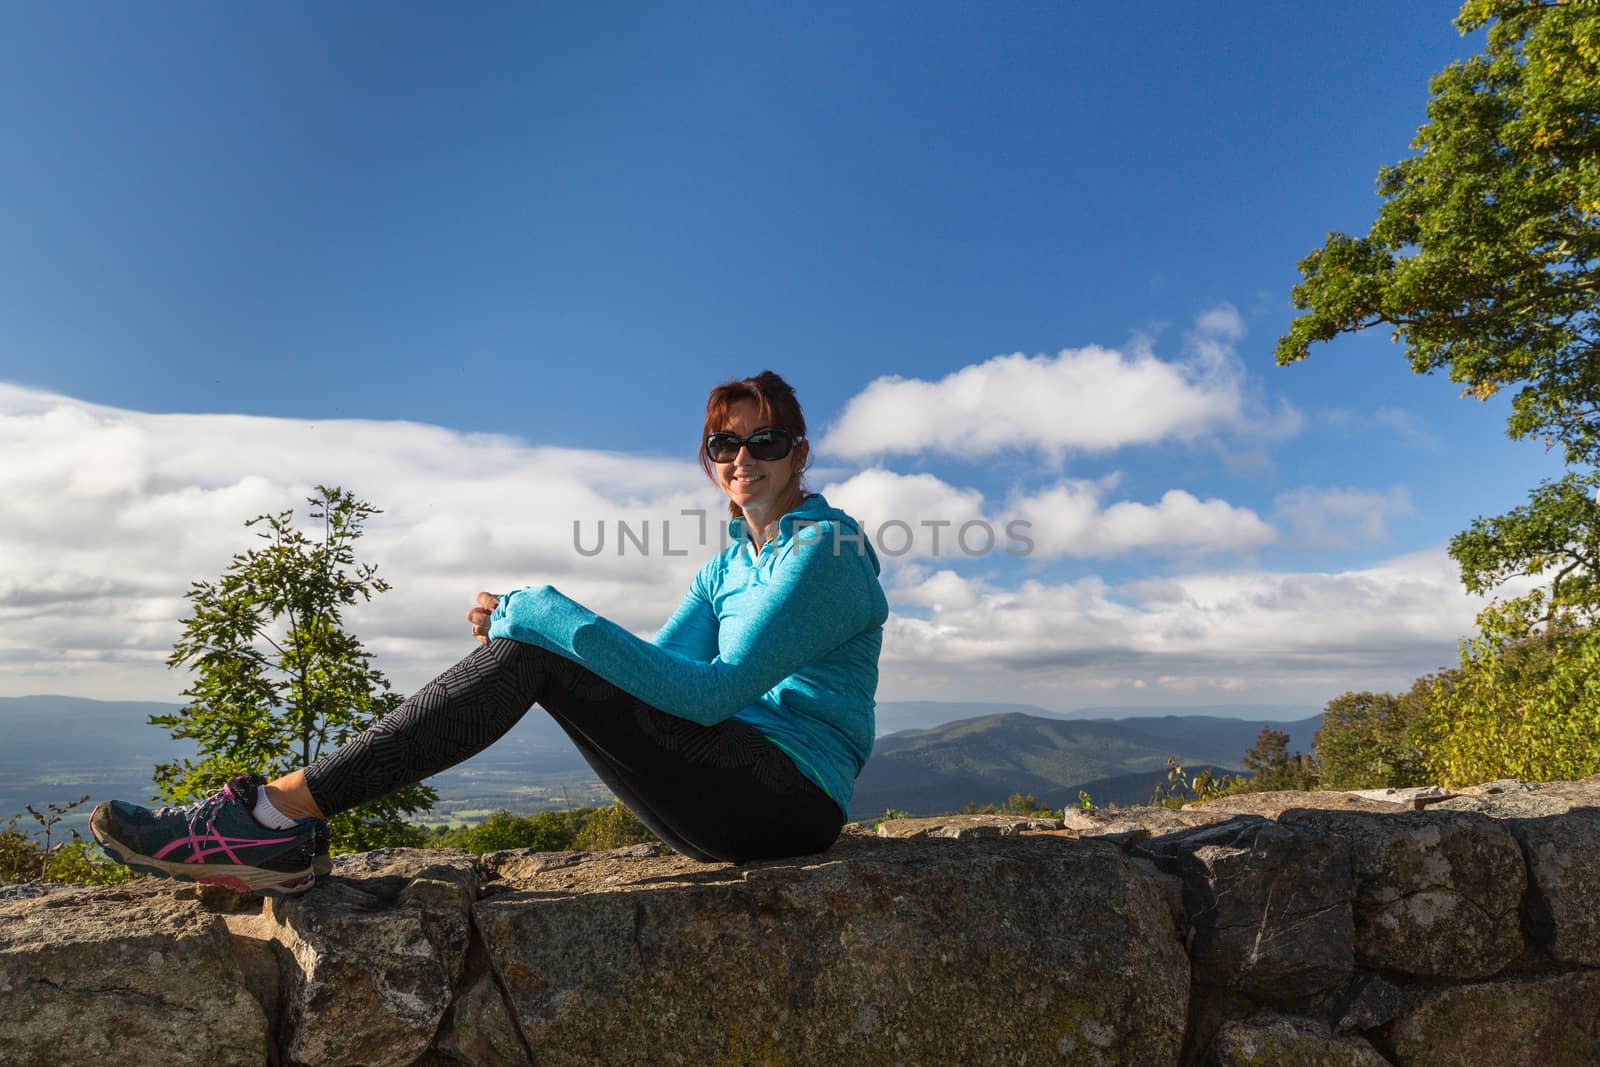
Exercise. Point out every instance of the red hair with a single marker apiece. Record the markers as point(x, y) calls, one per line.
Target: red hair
point(776, 406)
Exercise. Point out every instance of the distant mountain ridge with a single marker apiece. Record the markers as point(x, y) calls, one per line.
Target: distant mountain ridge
point(1252, 712)
point(896, 715)
point(988, 758)
point(58, 748)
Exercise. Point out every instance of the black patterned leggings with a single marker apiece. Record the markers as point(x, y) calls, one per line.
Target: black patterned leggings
point(716, 793)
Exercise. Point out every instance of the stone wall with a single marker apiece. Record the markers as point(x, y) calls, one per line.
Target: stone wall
point(1422, 928)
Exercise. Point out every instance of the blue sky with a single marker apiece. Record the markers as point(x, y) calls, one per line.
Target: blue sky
point(482, 265)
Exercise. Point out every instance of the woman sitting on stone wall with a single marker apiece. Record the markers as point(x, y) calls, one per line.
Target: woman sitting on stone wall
point(735, 734)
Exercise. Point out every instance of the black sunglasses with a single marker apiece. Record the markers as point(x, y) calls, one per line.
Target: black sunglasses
point(766, 445)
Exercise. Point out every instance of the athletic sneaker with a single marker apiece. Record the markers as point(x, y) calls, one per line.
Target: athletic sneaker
point(321, 861)
point(215, 840)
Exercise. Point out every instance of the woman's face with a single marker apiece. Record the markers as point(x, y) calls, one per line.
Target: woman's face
point(757, 486)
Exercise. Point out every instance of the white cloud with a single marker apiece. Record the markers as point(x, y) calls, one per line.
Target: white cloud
point(1409, 427)
point(1070, 519)
point(1089, 399)
point(1222, 322)
point(106, 516)
point(1222, 631)
point(1340, 518)
point(920, 516)
point(916, 515)
point(876, 496)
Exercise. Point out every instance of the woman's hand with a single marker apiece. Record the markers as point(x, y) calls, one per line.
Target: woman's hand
point(479, 616)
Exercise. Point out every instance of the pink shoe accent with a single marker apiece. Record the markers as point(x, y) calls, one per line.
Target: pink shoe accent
point(211, 842)
point(227, 881)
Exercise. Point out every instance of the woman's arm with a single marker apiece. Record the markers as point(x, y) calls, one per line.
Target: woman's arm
point(821, 595)
point(691, 632)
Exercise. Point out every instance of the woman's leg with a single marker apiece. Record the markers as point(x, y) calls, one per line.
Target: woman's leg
point(722, 792)
point(454, 717)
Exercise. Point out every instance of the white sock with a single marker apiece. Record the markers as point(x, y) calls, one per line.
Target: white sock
point(269, 816)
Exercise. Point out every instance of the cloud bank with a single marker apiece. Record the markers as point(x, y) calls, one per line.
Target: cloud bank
point(107, 516)
point(1271, 635)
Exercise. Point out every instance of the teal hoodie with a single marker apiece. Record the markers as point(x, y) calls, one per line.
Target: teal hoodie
point(787, 641)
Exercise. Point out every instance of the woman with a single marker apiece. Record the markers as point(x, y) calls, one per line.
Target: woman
point(735, 734)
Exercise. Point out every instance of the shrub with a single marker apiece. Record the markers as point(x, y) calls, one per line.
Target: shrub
point(36, 857)
point(1523, 703)
point(611, 827)
point(591, 829)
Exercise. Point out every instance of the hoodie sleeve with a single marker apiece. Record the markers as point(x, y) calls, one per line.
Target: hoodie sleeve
point(818, 598)
point(692, 631)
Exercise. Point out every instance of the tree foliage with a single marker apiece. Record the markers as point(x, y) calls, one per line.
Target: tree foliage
point(611, 827)
point(1521, 705)
point(1376, 740)
point(1484, 258)
point(1181, 787)
point(1555, 533)
point(588, 829)
point(277, 679)
point(1524, 703)
point(1272, 766)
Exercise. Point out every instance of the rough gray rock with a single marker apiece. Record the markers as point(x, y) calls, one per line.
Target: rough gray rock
point(1415, 797)
point(98, 977)
point(1034, 947)
point(373, 956)
point(1526, 800)
point(1132, 825)
point(966, 826)
point(1562, 912)
point(480, 1029)
point(1438, 893)
point(1373, 1002)
point(1280, 1041)
point(13, 891)
point(1556, 824)
point(1552, 1021)
point(1275, 803)
point(996, 950)
point(1269, 908)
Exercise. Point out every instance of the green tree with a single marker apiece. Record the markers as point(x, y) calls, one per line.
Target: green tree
point(1375, 740)
point(43, 856)
point(1272, 766)
point(1024, 804)
point(277, 679)
point(1484, 261)
point(1182, 788)
point(1485, 255)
